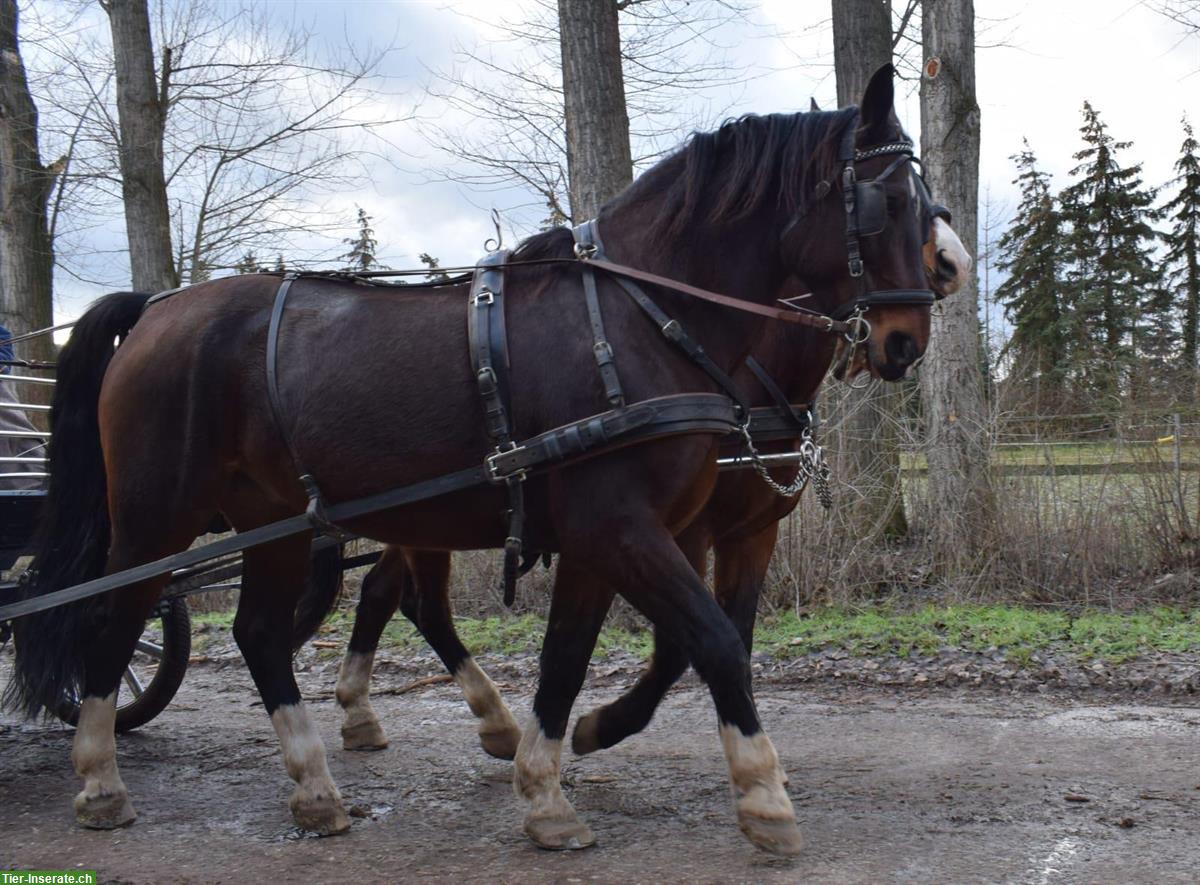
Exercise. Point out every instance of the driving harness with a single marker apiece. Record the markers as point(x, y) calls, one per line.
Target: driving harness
point(509, 463)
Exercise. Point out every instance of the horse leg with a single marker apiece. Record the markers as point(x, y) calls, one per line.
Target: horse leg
point(660, 582)
point(273, 577)
point(377, 602)
point(740, 570)
point(103, 803)
point(577, 611)
point(426, 602)
point(610, 724)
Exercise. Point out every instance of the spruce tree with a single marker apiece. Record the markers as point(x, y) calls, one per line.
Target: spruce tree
point(363, 247)
point(1031, 252)
point(1183, 243)
point(1109, 278)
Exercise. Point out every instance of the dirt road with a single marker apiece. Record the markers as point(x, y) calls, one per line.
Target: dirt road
point(948, 785)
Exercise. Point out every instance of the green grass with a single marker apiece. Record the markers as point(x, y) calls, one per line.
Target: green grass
point(1014, 631)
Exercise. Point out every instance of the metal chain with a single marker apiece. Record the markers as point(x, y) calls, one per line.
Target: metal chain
point(812, 465)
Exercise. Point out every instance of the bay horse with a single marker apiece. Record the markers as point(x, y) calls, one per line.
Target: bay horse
point(157, 436)
point(739, 524)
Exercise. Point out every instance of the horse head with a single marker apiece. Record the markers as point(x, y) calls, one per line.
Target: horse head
point(871, 243)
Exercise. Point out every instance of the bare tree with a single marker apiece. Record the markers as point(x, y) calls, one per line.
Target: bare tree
point(599, 163)
point(951, 389)
point(257, 126)
point(142, 111)
point(868, 436)
point(505, 100)
point(26, 249)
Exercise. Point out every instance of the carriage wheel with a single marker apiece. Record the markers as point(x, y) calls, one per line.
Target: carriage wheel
point(153, 675)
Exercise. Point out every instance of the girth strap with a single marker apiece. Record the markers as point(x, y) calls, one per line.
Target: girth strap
point(315, 511)
point(488, 342)
point(587, 242)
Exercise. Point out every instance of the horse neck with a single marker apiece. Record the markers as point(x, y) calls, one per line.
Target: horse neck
point(738, 259)
point(796, 357)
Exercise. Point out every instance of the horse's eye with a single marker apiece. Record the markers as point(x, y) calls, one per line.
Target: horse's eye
point(893, 205)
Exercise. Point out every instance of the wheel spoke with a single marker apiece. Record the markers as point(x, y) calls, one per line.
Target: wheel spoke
point(149, 648)
point(135, 684)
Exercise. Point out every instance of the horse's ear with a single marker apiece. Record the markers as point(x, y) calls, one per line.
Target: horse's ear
point(876, 113)
point(813, 107)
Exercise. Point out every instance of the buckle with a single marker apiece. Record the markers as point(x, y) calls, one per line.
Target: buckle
point(603, 351)
point(494, 472)
point(856, 267)
point(584, 251)
point(483, 296)
point(486, 379)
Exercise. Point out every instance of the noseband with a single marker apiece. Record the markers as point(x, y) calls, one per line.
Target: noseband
point(865, 203)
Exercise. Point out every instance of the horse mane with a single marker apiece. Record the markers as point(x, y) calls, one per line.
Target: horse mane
point(726, 175)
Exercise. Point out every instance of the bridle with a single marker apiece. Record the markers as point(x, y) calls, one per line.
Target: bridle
point(865, 202)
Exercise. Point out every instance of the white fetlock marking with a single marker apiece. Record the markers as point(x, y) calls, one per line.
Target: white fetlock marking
point(755, 775)
point(536, 778)
point(94, 752)
point(353, 689)
point(483, 698)
point(303, 752)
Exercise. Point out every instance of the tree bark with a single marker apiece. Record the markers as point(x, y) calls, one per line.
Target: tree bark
point(26, 249)
point(599, 161)
point(869, 436)
point(951, 383)
point(141, 111)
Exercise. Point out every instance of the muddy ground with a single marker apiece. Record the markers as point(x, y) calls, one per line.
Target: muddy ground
point(890, 784)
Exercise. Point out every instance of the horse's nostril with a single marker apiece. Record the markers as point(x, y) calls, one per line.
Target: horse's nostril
point(901, 350)
point(946, 268)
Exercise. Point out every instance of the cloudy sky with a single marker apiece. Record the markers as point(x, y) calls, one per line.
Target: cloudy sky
point(1037, 62)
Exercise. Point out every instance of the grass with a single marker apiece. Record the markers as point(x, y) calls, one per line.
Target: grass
point(1014, 631)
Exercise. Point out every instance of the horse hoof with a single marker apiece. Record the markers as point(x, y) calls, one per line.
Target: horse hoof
point(585, 738)
point(107, 811)
point(778, 836)
point(502, 743)
point(325, 817)
point(364, 736)
point(559, 834)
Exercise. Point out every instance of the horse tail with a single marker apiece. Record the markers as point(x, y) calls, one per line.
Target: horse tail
point(320, 596)
point(71, 544)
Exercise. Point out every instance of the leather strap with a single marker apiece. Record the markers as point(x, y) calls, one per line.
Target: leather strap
point(488, 341)
point(650, 419)
point(315, 510)
point(799, 414)
point(794, 315)
point(587, 240)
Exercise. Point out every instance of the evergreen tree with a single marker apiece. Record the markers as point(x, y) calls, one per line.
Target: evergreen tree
point(1031, 252)
point(436, 274)
point(363, 247)
point(1109, 279)
point(1183, 243)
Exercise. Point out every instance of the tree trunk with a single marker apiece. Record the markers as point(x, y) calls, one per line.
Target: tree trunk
point(141, 110)
point(951, 386)
point(869, 436)
point(599, 162)
point(26, 250)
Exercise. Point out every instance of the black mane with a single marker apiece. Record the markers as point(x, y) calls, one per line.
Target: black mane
point(726, 175)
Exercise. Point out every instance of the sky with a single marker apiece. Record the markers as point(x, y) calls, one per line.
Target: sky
point(1036, 64)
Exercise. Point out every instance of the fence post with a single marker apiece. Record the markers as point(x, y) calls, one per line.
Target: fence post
point(1177, 435)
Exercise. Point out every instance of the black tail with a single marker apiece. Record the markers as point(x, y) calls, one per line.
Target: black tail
point(73, 536)
point(321, 594)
